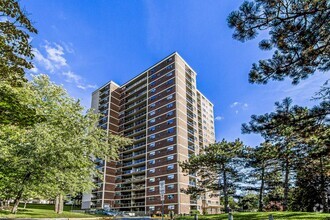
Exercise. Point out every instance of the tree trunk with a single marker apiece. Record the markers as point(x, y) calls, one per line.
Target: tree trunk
point(16, 202)
point(59, 204)
point(25, 204)
point(323, 188)
point(286, 185)
point(225, 191)
point(261, 192)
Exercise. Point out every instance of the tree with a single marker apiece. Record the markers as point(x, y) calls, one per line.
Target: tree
point(248, 202)
point(53, 157)
point(16, 51)
point(299, 133)
point(264, 173)
point(15, 58)
point(218, 168)
point(298, 30)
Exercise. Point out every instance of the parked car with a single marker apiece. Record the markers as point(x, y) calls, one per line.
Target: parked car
point(106, 212)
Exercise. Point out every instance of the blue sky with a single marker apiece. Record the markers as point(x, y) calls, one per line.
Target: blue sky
point(82, 44)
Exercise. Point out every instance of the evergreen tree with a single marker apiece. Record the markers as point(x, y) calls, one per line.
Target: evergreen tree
point(299, 32)
point(218, 167)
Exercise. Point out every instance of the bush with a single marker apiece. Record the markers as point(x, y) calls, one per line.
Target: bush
point(193, 212)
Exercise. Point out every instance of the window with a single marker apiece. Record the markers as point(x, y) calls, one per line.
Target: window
point(169, 74)
point(171, 196)
point(170, 130)
point(169, 97)
point(152, 171)
point(152, 84)
point(169, 90)
point(152, 145)
point(152, 120)
point(170, 207)
point(152, 198)
point(153, 76)
point(170, 148)
point(170, 121)
point(170, 186)
point(152, 180)
point(152, 113)
point(170, 82)
point(169, 67)
point(152, 189)
point(152, 98)
point(170, 157)
point(152, 105)
point(170, 177)
point(170, 105)
point(152, 208)
point(170, 167)
point(169, 113)
point(170, 139)
point(152, 128)
point(152, 153)
point(169, 60)
point(152, 162)
point(153, 90)
point(152, 136)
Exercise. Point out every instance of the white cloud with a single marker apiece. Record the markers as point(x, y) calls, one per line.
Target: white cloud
point(55, 54)
point(43, 61)
point(219, 118)
point(88, 86)
point(52, 58)
point(239, 106)
point(234, 104)
point(71, 77)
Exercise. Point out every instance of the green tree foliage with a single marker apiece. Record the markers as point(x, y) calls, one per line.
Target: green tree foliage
point(264, 171)
point(301, 135)
point(248, 202)
point(218, 167)
point(53, 157)
point(299, 31)
point(16, 51)
point(15, 58)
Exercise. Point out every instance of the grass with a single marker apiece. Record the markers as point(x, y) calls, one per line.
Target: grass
point(264, 216)
point(42, 211)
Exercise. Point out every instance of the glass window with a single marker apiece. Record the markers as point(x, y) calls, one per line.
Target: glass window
point(152, 208)
point(170, 130)
point(152, 171)
point(169, 97)
point(153, 90)
point(170, 167)
point(152, 153)
point(152, 105)
point(152, 128)
point(171, 196)
point(170, 139)
point(169, 74)
point(170, 177)
point(170, 105)
point(152, 113)
point(170, 148)
point(151, 189)
point(170, 186)
point(152, 144)
point(152, 180)
point(152, 120)
point(170, 157)
point(152, 136)
point(170, 207)
point(170, 121)
point(152, 162)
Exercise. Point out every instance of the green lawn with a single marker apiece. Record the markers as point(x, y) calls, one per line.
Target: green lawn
point(264, 216)
point(42, 211)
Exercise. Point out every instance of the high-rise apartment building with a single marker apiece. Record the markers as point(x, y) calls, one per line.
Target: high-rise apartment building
point(169, 120)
